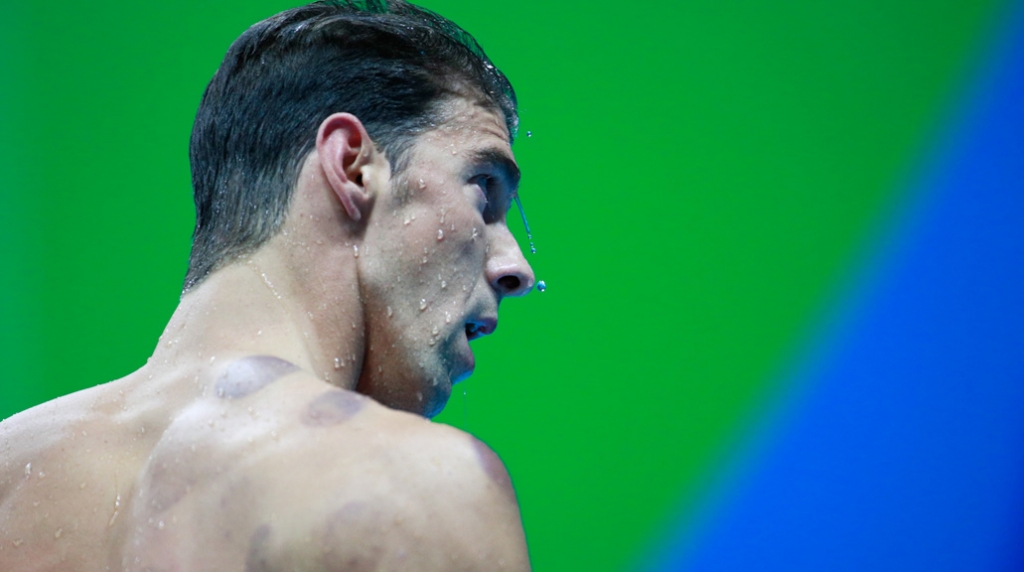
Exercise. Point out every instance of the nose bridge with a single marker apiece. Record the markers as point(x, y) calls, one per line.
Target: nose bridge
point(508, 272)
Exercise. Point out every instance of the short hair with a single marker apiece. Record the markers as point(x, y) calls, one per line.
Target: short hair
point(389, 63)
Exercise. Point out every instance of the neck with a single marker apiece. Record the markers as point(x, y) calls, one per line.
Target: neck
point(260, 306)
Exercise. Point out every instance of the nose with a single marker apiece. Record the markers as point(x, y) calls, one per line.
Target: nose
point(507, 270)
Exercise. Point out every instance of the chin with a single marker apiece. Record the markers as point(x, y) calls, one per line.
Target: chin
point(434, 402)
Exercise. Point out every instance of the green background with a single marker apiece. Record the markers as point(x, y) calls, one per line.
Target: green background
point(702, 179)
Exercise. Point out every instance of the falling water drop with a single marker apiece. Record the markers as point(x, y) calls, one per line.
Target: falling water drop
point(533, 249)
point(529, 133)
point(541, 286)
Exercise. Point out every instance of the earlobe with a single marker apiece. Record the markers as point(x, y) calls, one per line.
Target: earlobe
point(344, 149)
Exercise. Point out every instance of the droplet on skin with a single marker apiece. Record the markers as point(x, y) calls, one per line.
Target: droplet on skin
point(475, 234)
point(355, 250)
point(57, 534)
point(444, 284)
point(423, 184)
point(259, 333)
point(160, 525)
point(423, 304)
point(28, 470)
point(390, 311)
point(337, 363)
point(447, 318)
point(434, 331)
point(440, 235)
point(406, 221)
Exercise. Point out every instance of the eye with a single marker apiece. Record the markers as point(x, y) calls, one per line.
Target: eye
point(484, 184)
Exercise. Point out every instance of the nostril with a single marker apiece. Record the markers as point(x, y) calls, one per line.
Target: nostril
point(509, 283)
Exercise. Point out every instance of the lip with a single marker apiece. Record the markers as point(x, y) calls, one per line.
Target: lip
point(479, 327)
point(475, 328)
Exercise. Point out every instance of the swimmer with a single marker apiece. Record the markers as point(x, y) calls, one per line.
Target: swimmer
point(352, 173)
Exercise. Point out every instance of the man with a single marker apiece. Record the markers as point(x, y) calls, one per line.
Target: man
point(352, 171)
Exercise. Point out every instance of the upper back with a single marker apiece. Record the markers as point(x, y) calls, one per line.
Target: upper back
point(268, 469)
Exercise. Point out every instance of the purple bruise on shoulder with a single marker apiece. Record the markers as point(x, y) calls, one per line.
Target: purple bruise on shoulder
point(251, 374)
point(333, 407)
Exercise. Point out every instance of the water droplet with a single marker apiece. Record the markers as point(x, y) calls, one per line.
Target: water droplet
point(413, 216)
point(259, 333)
point(423, 184)
point(42, 475)
point(431, 342)
point(423, 304)
point(390, 311)
point(273, 434)
point(81, 486)
point(522, 213)
point(447, 318)
point(541, 286)
point(57, 534)
point(406, 221)
point(17, 543)
point(440, 235)
point(444, 284)
point(160, 525)
point(213, 359)
point(355, 250)
point(337, 363)
point(434, 331)
point(529, 133)
point(475, 234)
point(28, 470)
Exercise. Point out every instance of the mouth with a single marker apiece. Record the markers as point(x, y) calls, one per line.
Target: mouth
point(480, 327)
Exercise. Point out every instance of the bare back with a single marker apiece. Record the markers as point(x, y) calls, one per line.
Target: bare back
point(252, 465)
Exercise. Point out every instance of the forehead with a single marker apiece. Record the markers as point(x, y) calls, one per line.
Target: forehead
point(469, 124)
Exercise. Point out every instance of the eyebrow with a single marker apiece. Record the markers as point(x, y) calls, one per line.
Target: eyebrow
point(501, 161)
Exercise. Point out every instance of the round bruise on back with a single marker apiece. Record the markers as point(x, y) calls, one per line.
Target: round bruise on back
point(333, 407)
point(251, 374)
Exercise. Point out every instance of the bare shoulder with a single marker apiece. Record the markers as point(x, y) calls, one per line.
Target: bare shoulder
point(298, 475)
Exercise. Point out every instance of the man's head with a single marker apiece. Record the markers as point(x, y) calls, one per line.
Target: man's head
point(369, 151)
point(393, 65)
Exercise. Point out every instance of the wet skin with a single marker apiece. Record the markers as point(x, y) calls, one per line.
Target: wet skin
point(233, 479)
point(280, 424)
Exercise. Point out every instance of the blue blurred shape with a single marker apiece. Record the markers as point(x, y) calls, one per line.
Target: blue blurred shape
point(904, 449)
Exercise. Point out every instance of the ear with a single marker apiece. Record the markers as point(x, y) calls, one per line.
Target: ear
point(344, 149)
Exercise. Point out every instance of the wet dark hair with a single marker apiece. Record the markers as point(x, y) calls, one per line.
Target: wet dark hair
point(389, 63)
